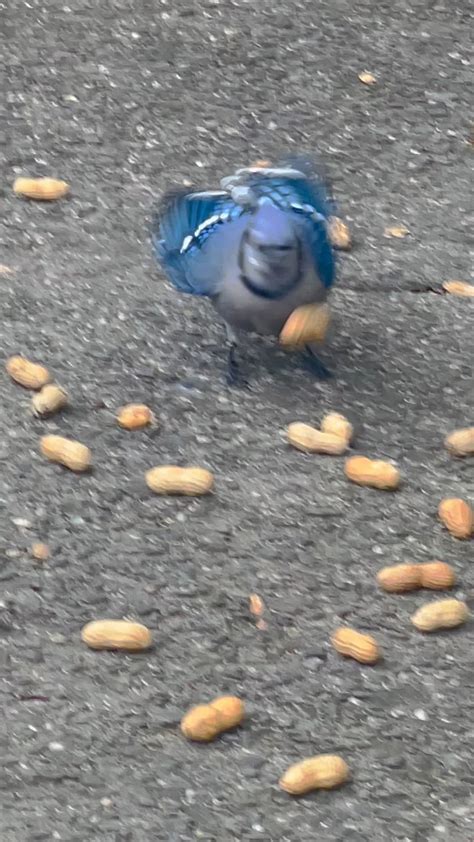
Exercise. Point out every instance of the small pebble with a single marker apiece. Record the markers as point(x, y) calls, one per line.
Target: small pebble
point(21, 522)
point(57, 637)
point(421, 714)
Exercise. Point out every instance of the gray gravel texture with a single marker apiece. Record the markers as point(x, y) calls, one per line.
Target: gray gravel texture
point(123, 99)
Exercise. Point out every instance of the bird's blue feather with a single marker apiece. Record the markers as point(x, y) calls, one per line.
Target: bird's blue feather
point(295, 186)
point(181, 226)
point(287, 192)
point(187, 227)
point(323, 254)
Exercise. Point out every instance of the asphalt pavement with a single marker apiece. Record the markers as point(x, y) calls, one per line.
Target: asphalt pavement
point(124, 99)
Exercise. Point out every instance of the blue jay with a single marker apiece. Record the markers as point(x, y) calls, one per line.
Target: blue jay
point(258, 248)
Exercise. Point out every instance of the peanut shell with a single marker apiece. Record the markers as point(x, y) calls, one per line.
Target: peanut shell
point(457, 516)
point(461, 288)
point(205, 722)
point(256, 605)
point(461, 442)
point(305, 325)
point(354, 644)
point(40, 552)
point(400, 578)
point(339, 234)
point(49, 400)
point(231, 710)
point(325, 771)
point(372, 472)
point(134, 416)
point(201, 723)
point(445, 614)
point(44, 189)
point(437, 575)
point(26, 373)
point(310, 440)
point(337, 425)
point(116, 634)
point(71, 454)
point(434, 575)
point(170, 479)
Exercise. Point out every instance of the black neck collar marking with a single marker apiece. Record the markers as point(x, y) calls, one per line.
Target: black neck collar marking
point(269, 294)
point(264, 292)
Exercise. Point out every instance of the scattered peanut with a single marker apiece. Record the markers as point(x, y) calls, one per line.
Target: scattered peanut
point(437, 575)
point(445, 614)
point(367, 78)
point(116, 634)
point(372, 472)
point(339, 234)
point(325, 771)
point(461, 288)
point(230, 708)
point(27, 374)
point(45, 189)
point(434, 575)
point(457, 516)
point(170, 479)
point(40, 552)
point(337, 425)
point(305, 325)
point(461, 442)
point(71, 454)
point(49, 400)
point(205, 722)
point(353, 644)
point(397, 231)
point(134, 416)
point(256, 605)
point(400, 578)
point(201, 723)
point(310, 440)
point(261, 164)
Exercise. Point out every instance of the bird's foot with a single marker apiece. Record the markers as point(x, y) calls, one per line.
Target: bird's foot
point(234, 376)
point(315, 365)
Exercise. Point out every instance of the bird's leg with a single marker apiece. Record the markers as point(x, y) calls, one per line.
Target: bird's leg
point(314, 364)
point(233, 377)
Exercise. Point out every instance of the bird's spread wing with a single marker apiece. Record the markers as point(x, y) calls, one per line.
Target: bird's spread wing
point(184, 227)
point(188, 228)
point(293, 186)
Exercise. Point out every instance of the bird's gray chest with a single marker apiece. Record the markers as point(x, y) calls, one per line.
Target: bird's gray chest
point(246, 311)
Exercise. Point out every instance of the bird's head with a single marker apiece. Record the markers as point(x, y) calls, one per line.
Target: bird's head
point(270, 252)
